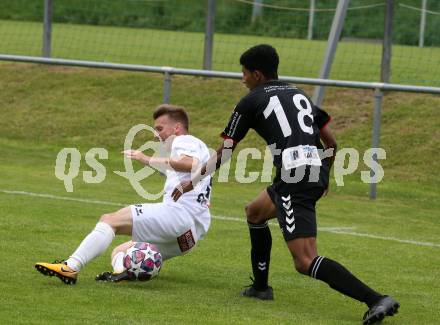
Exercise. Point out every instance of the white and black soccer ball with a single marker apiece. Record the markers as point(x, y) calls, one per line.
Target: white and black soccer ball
point(143, 261)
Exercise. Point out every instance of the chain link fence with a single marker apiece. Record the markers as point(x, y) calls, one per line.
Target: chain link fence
point(172, 33)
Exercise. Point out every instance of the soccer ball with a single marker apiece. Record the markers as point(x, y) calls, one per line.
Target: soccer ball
point(143, 261)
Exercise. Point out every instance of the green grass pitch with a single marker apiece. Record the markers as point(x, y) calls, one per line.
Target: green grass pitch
point(392, 243)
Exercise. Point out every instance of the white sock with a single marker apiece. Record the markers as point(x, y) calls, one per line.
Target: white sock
point(118, 262)
point(92, 246)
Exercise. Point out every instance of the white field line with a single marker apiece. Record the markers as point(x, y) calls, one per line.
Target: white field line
point(406, 241)
point(66, 198)
point(334, 230)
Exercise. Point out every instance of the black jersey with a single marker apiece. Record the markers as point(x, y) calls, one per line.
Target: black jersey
point(285, 118)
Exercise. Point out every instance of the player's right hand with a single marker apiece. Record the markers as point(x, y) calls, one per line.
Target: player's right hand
point(136, 155)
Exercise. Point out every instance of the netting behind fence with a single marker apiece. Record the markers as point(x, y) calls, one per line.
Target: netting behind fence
point(171, 33)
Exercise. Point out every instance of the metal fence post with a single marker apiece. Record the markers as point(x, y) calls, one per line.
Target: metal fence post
point(333, 39)
point(209, 35)
point(387, 43)
point(311, 20)
point(378, 95)
point(166, 87)
point(47, 29)
point(422, 24)
point(257, 9)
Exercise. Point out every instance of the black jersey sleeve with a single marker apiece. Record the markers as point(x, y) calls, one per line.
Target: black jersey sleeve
point(322, 118)
point(239, 123)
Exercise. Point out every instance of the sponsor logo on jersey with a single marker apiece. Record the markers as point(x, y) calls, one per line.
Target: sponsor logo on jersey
point(301, 155)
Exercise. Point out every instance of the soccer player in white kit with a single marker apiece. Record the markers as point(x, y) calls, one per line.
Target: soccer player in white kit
point(174, 227)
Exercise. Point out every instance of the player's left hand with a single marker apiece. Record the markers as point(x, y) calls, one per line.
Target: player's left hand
point(136, 155)
point(182, 188)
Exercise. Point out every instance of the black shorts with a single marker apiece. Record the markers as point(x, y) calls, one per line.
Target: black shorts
point(296, 208)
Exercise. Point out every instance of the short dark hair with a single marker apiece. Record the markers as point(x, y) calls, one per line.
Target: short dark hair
point(176, 113)
point(263, 58)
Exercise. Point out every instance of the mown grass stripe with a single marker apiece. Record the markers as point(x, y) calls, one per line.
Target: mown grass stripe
point(334, 230)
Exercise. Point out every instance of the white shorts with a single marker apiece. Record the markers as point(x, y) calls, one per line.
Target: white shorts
point(170, 227)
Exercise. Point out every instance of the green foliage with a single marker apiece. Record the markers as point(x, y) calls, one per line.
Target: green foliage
point(358, 61)
point(235, 17)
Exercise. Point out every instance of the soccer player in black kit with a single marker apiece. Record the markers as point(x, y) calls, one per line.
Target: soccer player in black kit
point(293, 128)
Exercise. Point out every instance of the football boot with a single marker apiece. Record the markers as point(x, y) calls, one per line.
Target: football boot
point(250, 291)
point(60, 269)
point(386, 306)
point(112, 277)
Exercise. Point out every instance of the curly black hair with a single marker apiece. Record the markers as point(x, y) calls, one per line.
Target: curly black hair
point(263, 58)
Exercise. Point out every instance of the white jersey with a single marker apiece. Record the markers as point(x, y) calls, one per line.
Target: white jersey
point(176, 227)
point(196, 201)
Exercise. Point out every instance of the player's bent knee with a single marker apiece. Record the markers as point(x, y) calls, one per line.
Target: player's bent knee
point(111, 221)
point(300, 268)
point(106, 218)
point(253, 216)
point(302, 265)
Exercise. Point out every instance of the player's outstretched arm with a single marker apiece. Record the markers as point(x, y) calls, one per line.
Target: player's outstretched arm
point(183, 163)
point(221, 156)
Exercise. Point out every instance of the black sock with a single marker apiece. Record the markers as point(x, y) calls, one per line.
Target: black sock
point(340, 279)
point(261, 241)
